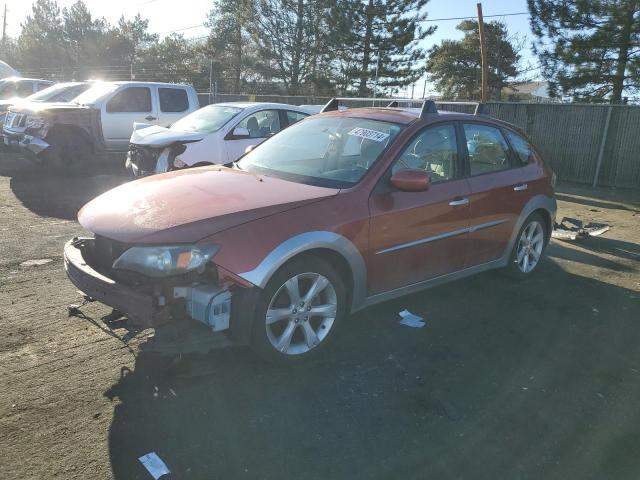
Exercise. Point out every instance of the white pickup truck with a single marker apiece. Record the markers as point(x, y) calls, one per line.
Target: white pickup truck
point(66, 135)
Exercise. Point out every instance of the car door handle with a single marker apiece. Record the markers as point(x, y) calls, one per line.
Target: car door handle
point(458, 202)
point(150, 117)
point(520, 187)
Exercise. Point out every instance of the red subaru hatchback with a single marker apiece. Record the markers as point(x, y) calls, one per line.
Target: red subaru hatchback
point(336, 213)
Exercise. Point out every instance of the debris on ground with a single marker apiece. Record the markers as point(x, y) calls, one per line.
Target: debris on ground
point(35, 262)
point(154, 465)
point(411, 320)
point(572, 228)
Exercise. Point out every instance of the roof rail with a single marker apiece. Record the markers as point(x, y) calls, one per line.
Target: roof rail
point(331, 105)
point(393, 104)
point(481, 109)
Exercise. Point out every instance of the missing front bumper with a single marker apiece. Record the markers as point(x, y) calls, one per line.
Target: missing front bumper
point(206, 303)
point(140, 308)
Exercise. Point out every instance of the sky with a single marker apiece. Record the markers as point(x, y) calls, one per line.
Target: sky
point(164, 18)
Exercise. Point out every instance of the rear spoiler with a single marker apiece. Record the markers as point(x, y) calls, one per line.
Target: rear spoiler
point(428, 106)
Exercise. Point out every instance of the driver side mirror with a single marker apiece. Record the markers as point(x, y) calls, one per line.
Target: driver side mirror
point(411, 180)
point(240, 132)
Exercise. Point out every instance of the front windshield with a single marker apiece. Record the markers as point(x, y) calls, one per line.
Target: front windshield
point(325, 151)
point(206, 120)
point(62, 92)
point(96, 92)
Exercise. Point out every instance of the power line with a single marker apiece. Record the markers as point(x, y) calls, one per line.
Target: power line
point(181, 29)
point(473, 18)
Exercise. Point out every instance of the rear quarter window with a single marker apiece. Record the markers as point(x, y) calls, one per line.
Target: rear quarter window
point(173, 100)
point(520, 146)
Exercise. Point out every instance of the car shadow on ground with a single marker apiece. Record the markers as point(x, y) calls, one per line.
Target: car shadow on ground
point(57, 195)
point(589, 251)
point(533, 379)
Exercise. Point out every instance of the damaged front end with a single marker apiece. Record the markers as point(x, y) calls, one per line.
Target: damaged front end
point(145, 160)
point(160, 286)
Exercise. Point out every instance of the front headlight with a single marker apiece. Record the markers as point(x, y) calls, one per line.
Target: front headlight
point(35, 122)
point(165, 261)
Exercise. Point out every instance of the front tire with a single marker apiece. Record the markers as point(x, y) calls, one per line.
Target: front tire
point(528, 248)
point(299, 311)
point(68, 154)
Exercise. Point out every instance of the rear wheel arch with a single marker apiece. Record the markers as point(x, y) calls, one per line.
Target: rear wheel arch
point(548, 222)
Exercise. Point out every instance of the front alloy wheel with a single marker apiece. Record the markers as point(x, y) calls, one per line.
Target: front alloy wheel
point(299, 310)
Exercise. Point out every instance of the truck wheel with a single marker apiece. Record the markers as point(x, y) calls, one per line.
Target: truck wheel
point(299, 311)
point(68, 154)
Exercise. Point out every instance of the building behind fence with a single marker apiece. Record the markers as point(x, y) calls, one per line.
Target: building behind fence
point(573, 138)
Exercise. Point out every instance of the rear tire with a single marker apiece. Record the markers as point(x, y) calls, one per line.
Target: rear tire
point(299, 311)
point(528, 248)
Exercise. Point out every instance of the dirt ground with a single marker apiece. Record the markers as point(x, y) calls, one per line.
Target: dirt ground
point(539, 379)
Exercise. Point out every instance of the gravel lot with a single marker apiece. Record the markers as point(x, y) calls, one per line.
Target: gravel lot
point(529, 380)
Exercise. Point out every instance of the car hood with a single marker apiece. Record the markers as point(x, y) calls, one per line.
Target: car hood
point(36, 107)
point(192, 204)
point(157, 136)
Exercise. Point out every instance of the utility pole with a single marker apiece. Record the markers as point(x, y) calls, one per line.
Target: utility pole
point(4, 26)
point(211, 95)
point(375, 85)
point(483, 56)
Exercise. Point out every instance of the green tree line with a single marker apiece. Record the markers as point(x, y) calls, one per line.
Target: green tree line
point(587, 50)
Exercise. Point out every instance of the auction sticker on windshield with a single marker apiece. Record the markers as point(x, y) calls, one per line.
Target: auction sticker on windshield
point(369, 134)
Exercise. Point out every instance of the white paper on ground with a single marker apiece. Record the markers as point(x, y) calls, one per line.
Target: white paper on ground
point(154, 465)
point(411, 320)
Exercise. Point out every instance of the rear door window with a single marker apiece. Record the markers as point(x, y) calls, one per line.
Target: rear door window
point(488, 150)
point(131, 99)
point(173, 100)
point(262, 124)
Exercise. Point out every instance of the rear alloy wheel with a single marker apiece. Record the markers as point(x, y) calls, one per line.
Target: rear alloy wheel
point(299, 310)
point(529, 246)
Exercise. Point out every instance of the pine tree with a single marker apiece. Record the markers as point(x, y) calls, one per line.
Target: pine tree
point(589, 50)
point(380, 35)
point(229, 43)
point(455, 65)
point(290, 36)
point(41, 42)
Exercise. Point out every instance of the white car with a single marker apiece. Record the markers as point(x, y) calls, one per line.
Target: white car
point(215, 134)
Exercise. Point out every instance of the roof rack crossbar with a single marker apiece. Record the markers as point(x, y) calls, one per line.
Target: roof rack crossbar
point(428, 108)
point(481, 109)
point(331, 105)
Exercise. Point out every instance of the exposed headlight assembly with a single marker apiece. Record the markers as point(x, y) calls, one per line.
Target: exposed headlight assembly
point(166, 261)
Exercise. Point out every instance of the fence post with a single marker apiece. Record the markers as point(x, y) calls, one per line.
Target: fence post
point(603, 141)
point(210, 81)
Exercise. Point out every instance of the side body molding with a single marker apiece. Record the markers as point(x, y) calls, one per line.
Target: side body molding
point(288, 249)
point(307, 241)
